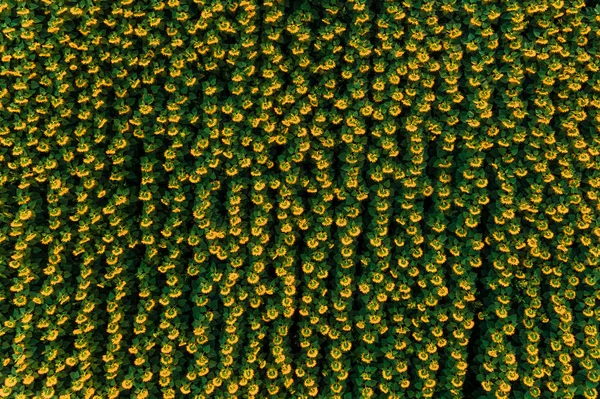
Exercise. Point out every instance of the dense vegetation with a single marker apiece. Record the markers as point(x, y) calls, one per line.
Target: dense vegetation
point(296, 199)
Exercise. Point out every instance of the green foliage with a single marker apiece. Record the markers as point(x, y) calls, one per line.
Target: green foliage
point(295, 199)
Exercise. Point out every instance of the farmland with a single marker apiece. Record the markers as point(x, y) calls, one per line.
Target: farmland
point(299, 199)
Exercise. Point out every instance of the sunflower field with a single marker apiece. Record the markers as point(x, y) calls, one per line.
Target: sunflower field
point(299, 199)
